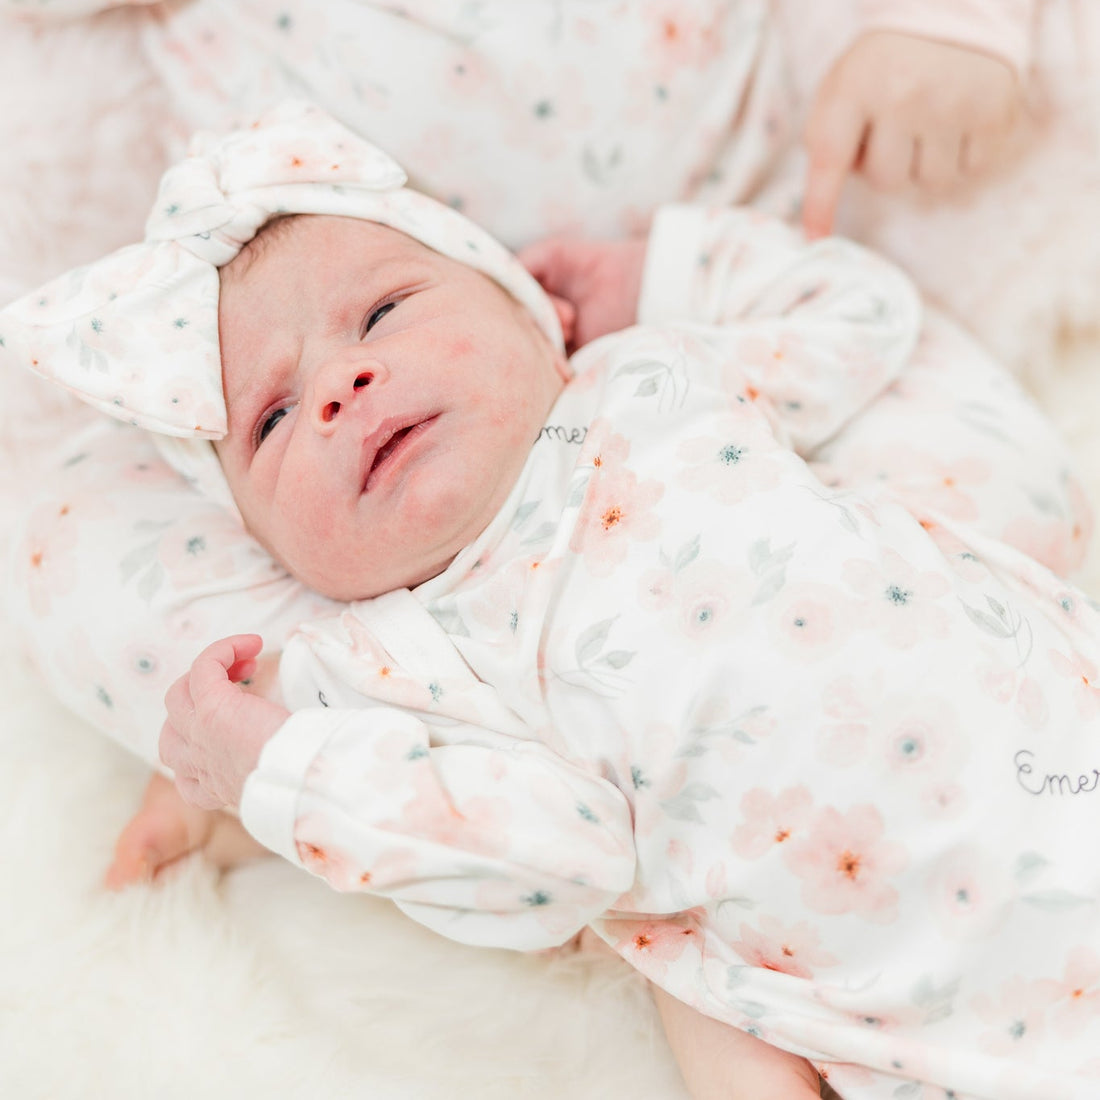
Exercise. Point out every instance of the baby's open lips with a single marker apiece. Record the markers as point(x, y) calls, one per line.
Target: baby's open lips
point(384, 448)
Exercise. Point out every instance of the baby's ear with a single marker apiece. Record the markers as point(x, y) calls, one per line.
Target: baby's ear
point(567, 318)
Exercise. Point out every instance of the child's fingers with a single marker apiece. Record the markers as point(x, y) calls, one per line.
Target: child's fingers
point(542, 259)
point(888, 161)
point(232, 658)
point(833, 140)
point(937, 160)
point(976, 154)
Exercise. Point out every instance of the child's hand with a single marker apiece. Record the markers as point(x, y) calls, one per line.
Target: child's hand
point(902, 109)
point(599, 282)
point(215, 729)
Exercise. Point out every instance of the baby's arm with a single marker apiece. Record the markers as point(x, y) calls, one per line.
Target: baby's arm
point(489, 838)
point(816, 329)
point(929, 95)
point(718, 1062)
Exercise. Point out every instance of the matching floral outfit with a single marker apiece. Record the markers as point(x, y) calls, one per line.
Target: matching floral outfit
point(763, 670)
point(757, 673)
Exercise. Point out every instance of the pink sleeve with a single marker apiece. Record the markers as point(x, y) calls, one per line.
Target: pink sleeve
point(999, 27)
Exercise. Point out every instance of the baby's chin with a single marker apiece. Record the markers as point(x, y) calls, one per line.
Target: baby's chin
point(351, 585)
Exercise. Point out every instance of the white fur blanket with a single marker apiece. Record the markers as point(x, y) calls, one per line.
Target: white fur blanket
point(265, 983)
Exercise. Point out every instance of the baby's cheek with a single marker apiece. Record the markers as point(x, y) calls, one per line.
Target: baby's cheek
point(459, 348)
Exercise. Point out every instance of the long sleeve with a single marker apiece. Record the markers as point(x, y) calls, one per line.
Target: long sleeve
point(819, 329)
point(1002, 28)
point(485, 836)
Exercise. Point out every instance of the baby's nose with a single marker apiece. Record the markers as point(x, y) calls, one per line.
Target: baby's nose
point(329, 409)
point(336, 386)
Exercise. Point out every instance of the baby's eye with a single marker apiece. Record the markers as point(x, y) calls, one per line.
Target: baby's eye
point(377, 315)
point(268, 423)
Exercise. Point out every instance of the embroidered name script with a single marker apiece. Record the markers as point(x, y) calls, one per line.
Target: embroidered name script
point(1058, 784)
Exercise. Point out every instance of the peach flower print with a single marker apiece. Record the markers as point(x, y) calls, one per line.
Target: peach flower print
point(328, 862)
point(1059, 542)
point(480, 824)
point(918, 741)
point(681, 40)
point(928, 484)
point(728, 467)
point(701, 598)
point(794, 949)
point(965, 890)
point(320, 855)
point(367, 667)
point(50, 555)
point(654, 945)
point(811, 621)
point(1079, 1001)
point(1086, 680)
point(901, 599)
point(1017, 1015)
point(197, 556)
point(618, 508)
point(468, 75)
point(844, 862)
point(771, 820)
point(556, 100)
point(960, 557)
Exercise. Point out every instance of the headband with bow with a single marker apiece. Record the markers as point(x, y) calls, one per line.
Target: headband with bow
point(136, 333)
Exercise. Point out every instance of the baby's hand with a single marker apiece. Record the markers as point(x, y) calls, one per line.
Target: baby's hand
point(598, 282)
point(902, 109)
point(215, 729)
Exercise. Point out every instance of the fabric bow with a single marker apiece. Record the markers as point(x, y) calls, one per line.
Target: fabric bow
point(136, 334)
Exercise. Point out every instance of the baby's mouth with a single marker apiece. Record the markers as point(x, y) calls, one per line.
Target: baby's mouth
point(391, 449)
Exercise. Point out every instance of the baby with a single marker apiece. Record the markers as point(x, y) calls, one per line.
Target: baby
point(732, 637)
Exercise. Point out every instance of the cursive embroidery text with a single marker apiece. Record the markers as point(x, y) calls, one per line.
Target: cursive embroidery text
point(562, 434)
point(1054, 783)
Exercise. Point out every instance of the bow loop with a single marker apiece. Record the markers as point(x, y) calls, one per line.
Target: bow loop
point(213, 202)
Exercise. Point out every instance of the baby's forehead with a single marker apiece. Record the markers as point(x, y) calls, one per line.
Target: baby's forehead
point(284, 238)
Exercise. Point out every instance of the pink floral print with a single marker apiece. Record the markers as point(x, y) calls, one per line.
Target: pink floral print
point(845, 863)
point(794, 950)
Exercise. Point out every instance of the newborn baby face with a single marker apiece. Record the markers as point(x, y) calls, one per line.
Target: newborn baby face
point(382, 401)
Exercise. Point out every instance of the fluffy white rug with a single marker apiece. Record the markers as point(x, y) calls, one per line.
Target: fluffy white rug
point(264, 983)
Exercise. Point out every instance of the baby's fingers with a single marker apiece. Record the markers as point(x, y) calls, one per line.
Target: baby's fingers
point(833, 139)
point(545, 261)
point(889, 161)
point(938, 163)
point(232, 658)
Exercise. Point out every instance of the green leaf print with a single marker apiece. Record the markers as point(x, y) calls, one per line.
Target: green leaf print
point(592, 641)
point(683, 807)
point(1057, 901)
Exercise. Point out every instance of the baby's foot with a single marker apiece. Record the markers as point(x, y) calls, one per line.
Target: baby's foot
point(166, 830)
